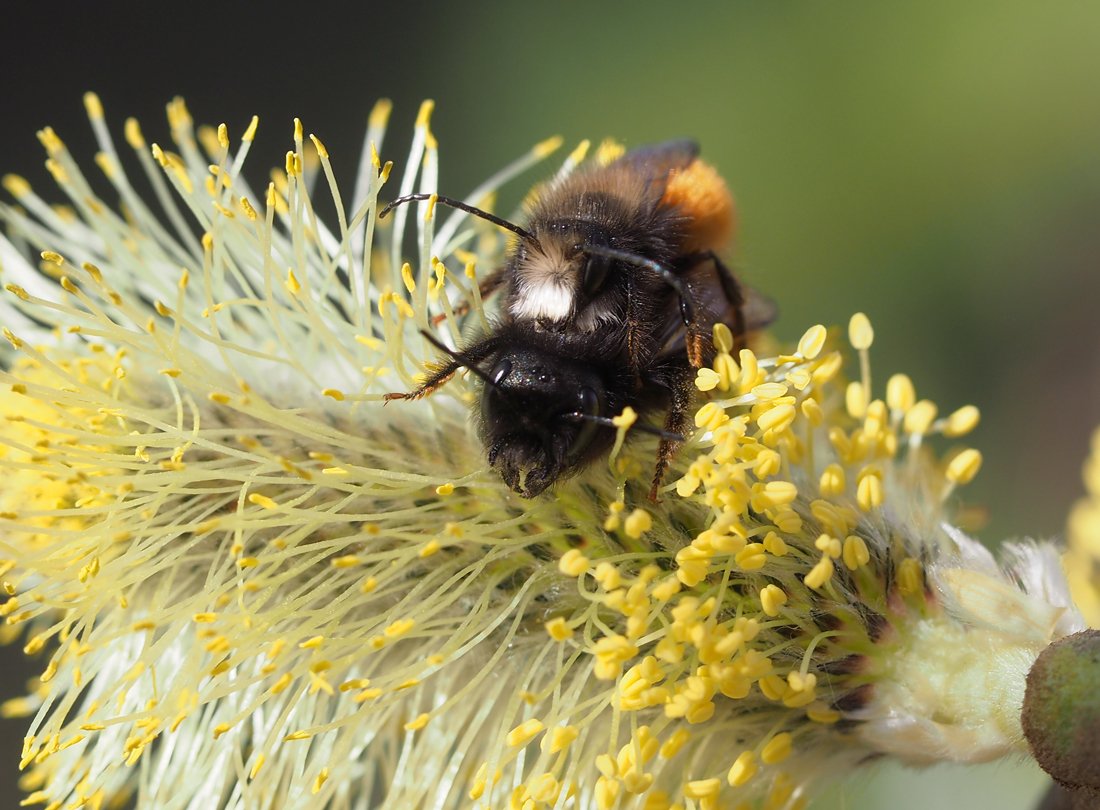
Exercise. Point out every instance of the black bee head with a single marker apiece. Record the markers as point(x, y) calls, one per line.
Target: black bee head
point(533, 423)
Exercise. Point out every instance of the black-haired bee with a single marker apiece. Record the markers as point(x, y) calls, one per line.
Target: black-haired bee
point(610, 296)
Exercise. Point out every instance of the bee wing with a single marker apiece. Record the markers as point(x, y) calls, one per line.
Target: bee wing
point(661, 158)
point(712, 306)
point(656, 162)
point(758, 311)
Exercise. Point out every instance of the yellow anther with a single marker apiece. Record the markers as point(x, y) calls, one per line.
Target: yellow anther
point(855, 399)
point(743, 769)
point(910, 577)
point(828, 545)
point(637, 523)
point(262, 501)
point(702, 788)
point(727, 369)
point(750, 369)
point(778, 418)
point(832, 481)
point(869, 492)
point(777, 749)
point(774, 544)
point(823, 715)
point(524, 733)
point(609, 151)
point(860, 333)
point(919, 418)
point(625, 419)
point(666, 589)
point(772, 598)
point(319, 782)
point(558, 629)
point(963, 467)
point(424, 116)
point(776, 493)
point(900, 394)
point(800, 378)
point(962, 421)
point(856, 555)
point(53, 144)
point(322, 152)
point(751, 557)
point(811, 409)
point(711, 417)
point(419, 721)
point(820, 573)
point(250, 131)
point(257, 766)
point(608, 576)
point(399, 628)
point(812, 342)
point(573, 563)
point(16, 186)
point(707, 379)
point(770, 390)
point(611, 652)
point(607, 792)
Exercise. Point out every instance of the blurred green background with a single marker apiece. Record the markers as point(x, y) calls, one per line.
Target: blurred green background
point(934, 164)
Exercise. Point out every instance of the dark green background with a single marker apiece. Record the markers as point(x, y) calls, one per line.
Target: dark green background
point(934, 164)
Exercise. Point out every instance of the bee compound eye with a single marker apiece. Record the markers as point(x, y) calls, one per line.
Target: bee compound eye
point(595, 273)
point(500, 371)
point(588, 401)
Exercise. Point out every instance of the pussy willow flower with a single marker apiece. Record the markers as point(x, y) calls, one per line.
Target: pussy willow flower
point(1082, 561)
point(254, 585)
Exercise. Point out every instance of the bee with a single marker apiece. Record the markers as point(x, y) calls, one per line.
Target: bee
point(610, 296)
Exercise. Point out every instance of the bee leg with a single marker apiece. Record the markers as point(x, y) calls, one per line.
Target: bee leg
point(436, 380)
point(676, 421)
point(633, 328)
point(696, 339)
point(696, 346)
point(486, 287)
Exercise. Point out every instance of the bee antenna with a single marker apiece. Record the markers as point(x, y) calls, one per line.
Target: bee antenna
point(461, 358)
point(461, 206)
point(578, 416)
point(665, 272)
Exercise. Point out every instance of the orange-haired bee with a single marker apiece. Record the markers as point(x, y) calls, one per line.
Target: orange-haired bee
point(610, 297)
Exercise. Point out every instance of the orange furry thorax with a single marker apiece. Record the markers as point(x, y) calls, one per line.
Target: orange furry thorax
point(701, 194)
